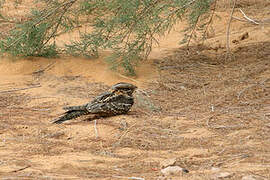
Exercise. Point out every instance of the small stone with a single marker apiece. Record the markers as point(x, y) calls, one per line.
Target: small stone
point(173, 170)
point(183, 88)
point(252, 177)
point(161, 178)
point(222, 175)
point(214, 169)
point(243, 36)
point(168, 162)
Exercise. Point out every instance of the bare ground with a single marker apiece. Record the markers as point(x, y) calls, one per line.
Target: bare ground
point(192, 105)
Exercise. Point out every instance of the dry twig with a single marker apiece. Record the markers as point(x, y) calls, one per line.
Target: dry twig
point(44, 69)
point(125, 133)
point(20, 89)
point(249, 19)
point(123, 177)
point(228, 33)
point(95, 127)
point(21, 169)
point(243, 90)
point(131, 79)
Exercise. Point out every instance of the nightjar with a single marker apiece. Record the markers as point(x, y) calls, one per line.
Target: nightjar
point(118, 100)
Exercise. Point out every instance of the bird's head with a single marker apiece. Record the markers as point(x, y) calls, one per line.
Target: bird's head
point(124, 87)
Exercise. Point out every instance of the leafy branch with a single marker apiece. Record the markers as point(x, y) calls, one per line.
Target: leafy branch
point(127, 28)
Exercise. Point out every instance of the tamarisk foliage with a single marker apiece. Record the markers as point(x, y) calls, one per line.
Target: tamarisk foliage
point(127, 28)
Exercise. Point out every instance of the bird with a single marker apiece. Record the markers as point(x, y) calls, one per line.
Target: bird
point(118, 100)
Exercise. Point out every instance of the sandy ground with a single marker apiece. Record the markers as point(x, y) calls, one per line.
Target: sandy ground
point(192, 105)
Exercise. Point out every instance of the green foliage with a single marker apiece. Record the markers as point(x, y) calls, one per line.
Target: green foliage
point(35, 36)
point(127, 28)
point(27, 40)
point(1, 4)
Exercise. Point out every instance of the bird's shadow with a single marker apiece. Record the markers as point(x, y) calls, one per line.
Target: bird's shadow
point(101, 119)
point(88, 119)
point(95, 117)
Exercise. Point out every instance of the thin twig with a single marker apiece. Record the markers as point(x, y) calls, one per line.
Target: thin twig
point(20, 89)
point(226, 127)
point(143, 92)
point(243, 90)
point(211, 18)
point(239, 19)
point(208, 118)
point(44, 69)
point(124, 177)
point(125, 133)
point(249, 19)
point(17, 170)
point(95, 126)
point(127, 78)
point(228, 32)
point(193, 31)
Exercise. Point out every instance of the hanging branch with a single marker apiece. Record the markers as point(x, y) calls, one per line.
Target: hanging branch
point(228, 33)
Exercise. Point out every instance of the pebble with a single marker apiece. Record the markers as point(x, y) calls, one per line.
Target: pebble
point(214, 169)
point(252, 177)
point(221, 175)
point(168, 162)
point(173, 170)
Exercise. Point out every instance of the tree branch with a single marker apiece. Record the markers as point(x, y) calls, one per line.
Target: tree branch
point(249, 19)
point(228, 33)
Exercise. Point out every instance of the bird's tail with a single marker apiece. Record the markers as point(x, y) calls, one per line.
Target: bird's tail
point(71, 113)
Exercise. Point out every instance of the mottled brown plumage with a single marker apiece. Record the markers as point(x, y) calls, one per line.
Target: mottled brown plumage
point(117, 101)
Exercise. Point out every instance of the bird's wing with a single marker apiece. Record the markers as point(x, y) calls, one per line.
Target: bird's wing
point(101, 98)
point(113, 104)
